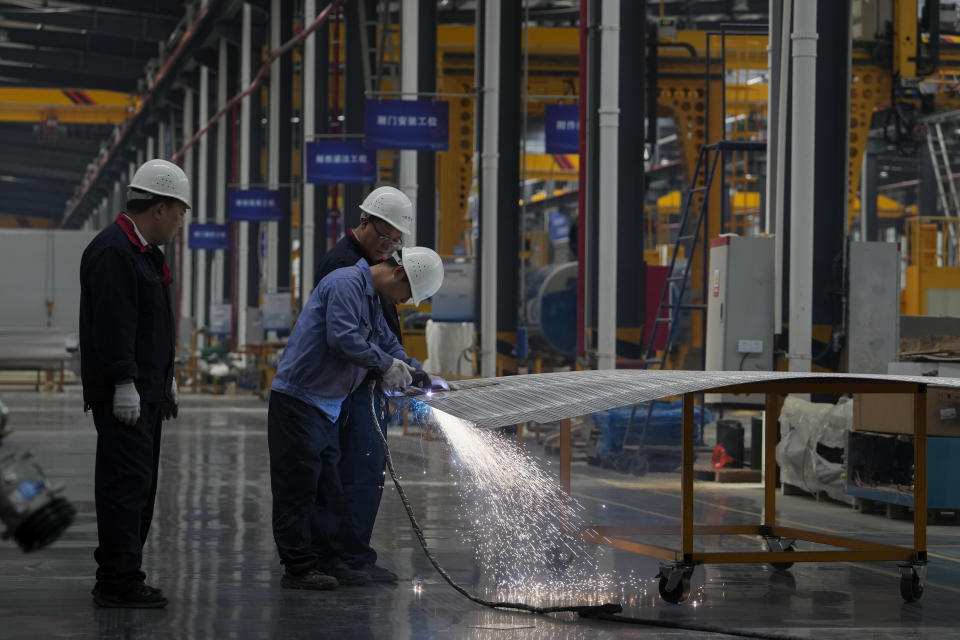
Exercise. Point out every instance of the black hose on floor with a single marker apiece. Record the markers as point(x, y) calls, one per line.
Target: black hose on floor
point(606, 611)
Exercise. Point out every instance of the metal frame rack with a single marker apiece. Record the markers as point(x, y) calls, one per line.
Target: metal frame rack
point(678, 564)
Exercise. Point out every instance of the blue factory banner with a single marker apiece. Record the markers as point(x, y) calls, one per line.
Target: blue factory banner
point(341, 162)
point(559, 227)
point(407, 124)
point(562, 128)
point(208, 236)
point(254, 205)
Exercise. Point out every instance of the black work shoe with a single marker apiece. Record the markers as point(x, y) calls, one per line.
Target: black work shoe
point(130, 596)
point(378, 573)
point(312, 579)
point(347, 576)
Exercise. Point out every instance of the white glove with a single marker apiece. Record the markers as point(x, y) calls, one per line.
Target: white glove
point(126, 403)
point(174, 391)
point(438, 382)
point(399, 375)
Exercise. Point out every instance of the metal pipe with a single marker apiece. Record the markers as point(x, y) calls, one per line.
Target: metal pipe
point(308, 222)
point(216, 288)
point(186, 255)
point(243, 228)
point(609, 113)
point(773, 75)
point(261, 74)
point(490, 160)
point(120, 138)
point(409, 63)
point(804, 79)
point(581, 256)
point(200, 204)
point(271, 266)
point(779, 230)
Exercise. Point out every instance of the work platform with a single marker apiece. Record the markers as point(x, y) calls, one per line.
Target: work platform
point(675, 573)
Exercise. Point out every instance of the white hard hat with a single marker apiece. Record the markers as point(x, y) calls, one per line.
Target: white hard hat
point(424, 270)
point(162, 178)
point(392, 205)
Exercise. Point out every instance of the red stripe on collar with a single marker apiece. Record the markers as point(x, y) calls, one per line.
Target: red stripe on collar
point(124, 222)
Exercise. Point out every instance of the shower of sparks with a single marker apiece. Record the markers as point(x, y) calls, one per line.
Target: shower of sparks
point(527, 532)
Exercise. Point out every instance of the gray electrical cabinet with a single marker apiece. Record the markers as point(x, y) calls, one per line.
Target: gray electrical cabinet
point(873, 306)
point(740, 309)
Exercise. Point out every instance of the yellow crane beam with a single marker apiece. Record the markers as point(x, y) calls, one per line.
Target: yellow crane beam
point(66, 106)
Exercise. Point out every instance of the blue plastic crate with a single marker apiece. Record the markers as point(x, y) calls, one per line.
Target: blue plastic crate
point(663, 428)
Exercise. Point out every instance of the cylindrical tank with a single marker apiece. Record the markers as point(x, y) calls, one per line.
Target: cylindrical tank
point(550, 298)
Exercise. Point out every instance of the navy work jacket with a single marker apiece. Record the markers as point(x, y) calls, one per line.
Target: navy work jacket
point(126, 320)
point(345, 254)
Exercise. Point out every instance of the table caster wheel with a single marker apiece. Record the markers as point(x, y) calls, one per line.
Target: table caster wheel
point(675, 583)
point(911, 584)
point(777, 544)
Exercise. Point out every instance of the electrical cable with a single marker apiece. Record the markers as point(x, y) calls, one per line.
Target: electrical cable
point(607, 611)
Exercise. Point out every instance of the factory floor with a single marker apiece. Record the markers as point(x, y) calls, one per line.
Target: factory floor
point(212, 552)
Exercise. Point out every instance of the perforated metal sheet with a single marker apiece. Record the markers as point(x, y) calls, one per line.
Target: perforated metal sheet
point(495, 402)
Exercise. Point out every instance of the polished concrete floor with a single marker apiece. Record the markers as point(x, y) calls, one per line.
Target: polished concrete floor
point(212, 552)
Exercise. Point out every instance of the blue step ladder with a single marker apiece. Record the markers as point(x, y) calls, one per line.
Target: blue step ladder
point(675, 287)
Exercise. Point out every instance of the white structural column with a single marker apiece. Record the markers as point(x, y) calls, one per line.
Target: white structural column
point(200, 200)
point(778, 195)
point(270, 266)
point(151, 149)
point(804, 38)
point(409, 37)
point(223, 130)
point(609, 113)
point(308, 218)
point(489, 161)
point(186, 255)
point(243, 227)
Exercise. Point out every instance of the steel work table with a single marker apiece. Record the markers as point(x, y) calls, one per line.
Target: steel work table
point(677, 564)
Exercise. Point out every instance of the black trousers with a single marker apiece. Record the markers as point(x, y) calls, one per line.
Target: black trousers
point(308, 501)
point(125, 488)
point(362, 461)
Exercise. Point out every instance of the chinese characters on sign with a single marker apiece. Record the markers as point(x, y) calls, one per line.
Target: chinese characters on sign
point(562, 128)
point(341, 161)
point(208, 236)
point(255, 205)
point(407, 124)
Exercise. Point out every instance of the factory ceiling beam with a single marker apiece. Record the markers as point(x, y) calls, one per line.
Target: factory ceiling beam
point(113, 44)
point(194, 36)
point(34, 170)
point(46, 157)
point(28, 75)
point(93, 22)
point(151, 8)
point(61, 60)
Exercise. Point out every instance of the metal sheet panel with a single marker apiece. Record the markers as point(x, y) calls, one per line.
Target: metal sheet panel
point(546, 397)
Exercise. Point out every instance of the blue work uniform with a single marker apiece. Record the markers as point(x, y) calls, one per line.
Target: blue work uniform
point(339, 337)
point(362, 459)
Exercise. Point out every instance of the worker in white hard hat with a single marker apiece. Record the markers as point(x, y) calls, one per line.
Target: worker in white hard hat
point(126, 355)
point(340, 337)
point(386, 216)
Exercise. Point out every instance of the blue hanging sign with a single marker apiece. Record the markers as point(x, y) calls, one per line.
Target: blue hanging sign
point(208, 236)
point(255, 205)
point(407, 124)
point(562, 128)
point(340, 162)
point(559, 227)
